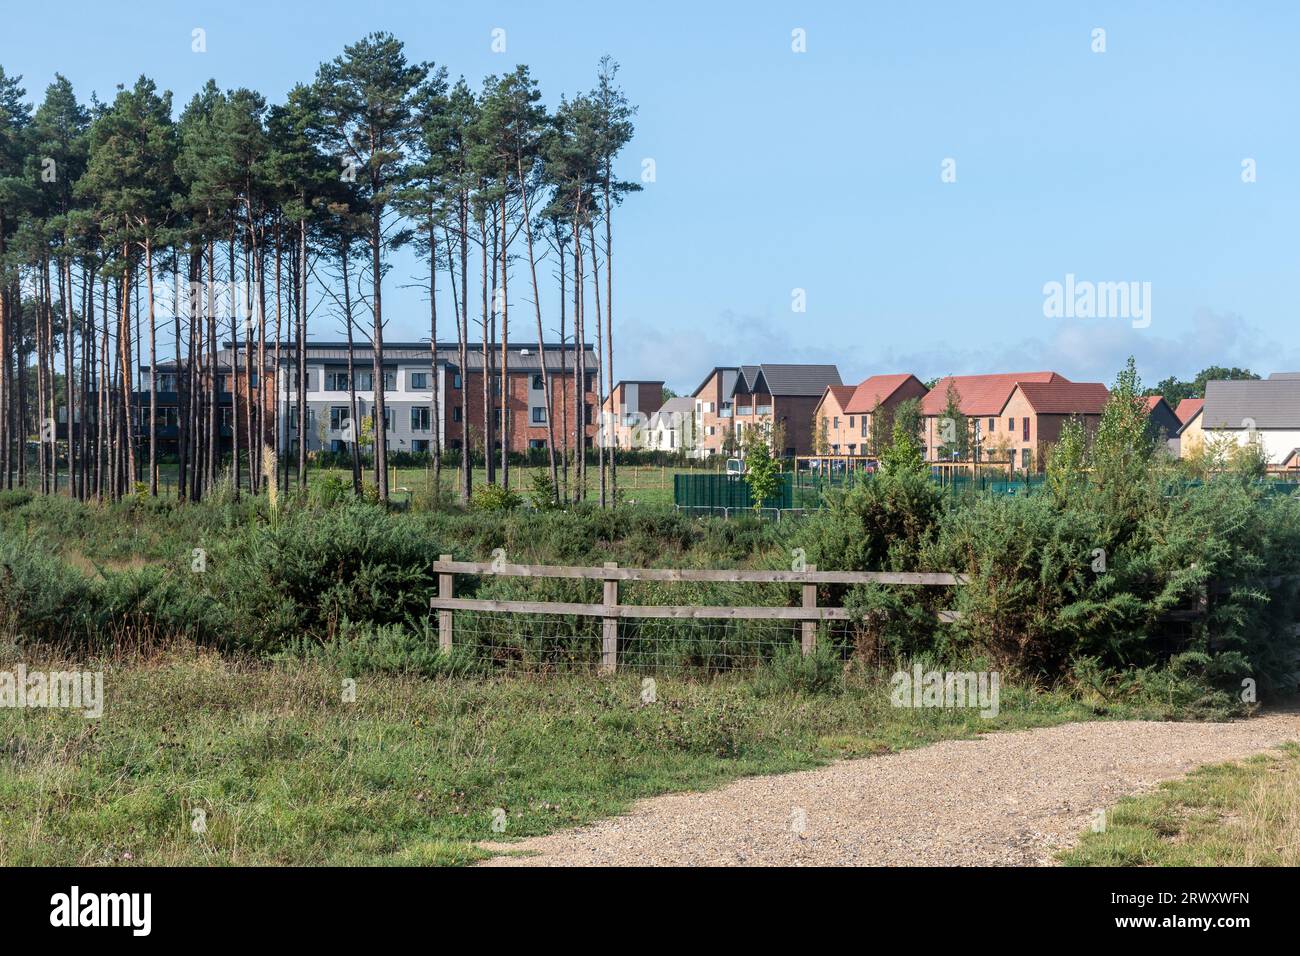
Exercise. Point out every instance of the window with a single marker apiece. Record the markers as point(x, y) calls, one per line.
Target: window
point(252, 378)
point(537, 443)
point(225, 416)
point(390, 380)
point(586, 411)
point(419, 381)
point(992, 422)
point(419, 419)
point(388, 418)
point(1025, 433)
point(420, 445)
point(726, 409)
point(336, 381)
point(538, 384)
point(1025, 455)
point(864, 426)
point(1011, 425)
point(850, 423)
point(539, 415)
point(835, 422)
point(455, 414)
point(167, 381)
point(338, 417)
point(455, 382)
point(364, 381)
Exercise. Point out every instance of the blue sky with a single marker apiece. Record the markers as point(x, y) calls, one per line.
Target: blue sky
point(820, 170)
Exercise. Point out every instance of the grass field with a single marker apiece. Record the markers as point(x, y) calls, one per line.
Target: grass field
point(286, 772)
point(642, 484)
point(1244, 813)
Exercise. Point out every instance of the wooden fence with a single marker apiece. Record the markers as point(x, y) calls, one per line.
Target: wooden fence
point(612, 610)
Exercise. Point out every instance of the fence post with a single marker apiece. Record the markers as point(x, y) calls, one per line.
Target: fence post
point(810, 627)
point(444, 615)
point(609, 635)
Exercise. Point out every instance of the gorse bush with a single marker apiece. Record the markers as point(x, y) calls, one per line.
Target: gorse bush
point(315, 570)
point(494, 498)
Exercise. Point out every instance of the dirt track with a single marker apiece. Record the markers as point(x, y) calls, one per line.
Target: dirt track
point(1004, 799)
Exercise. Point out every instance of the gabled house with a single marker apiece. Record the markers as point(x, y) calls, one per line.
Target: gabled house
point(1191, 434)
point(833, 435)
point(978, 397)
point(1265, 412)
point(712, 400)
point(880, 394)
point(1163, 424)
point(781, 398)
point(1032, 418)
point(672, 427)
point(626, 412)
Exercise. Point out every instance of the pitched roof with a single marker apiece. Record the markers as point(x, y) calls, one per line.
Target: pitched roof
point(724, 369)
point(793, 380)
point(799, 379)
point(981, 394)
point(875, 390)
point(1188, 408)
point(681, 404)
point(1271, 403)
point(1065, 398)
point(842, 395)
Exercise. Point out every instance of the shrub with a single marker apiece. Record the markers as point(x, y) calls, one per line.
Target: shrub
point(494, 498)
point(792, 671)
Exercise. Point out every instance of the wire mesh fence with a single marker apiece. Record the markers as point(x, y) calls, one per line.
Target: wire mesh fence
point(511, 643)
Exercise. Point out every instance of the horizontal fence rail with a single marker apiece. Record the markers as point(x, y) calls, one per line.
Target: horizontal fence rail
point(612, 610)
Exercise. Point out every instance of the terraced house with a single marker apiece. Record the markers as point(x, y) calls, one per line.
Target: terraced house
point(845, 415)
point(782, 399)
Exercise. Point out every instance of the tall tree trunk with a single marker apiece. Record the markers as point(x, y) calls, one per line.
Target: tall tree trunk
point(608, 420)
point(435, 421)
point(381, 428)
point(301, 350)
point(462, 354)
point(153, 370)
point(234, 365)
point(505, 355)
point(353, 420)
point(489, 453)
point(609, 322)
point(541, 337)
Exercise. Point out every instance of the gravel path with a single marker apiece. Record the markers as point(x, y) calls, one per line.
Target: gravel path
point(1003, 799)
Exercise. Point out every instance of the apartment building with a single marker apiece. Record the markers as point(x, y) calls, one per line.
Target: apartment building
point(626, 413)
point(978, 397)
point(712, 401)
point(781, 399)
point(413, 373)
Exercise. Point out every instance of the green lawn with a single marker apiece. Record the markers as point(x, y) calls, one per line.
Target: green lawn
point(1244, 813)
point(642, 484)
point(287, 772)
